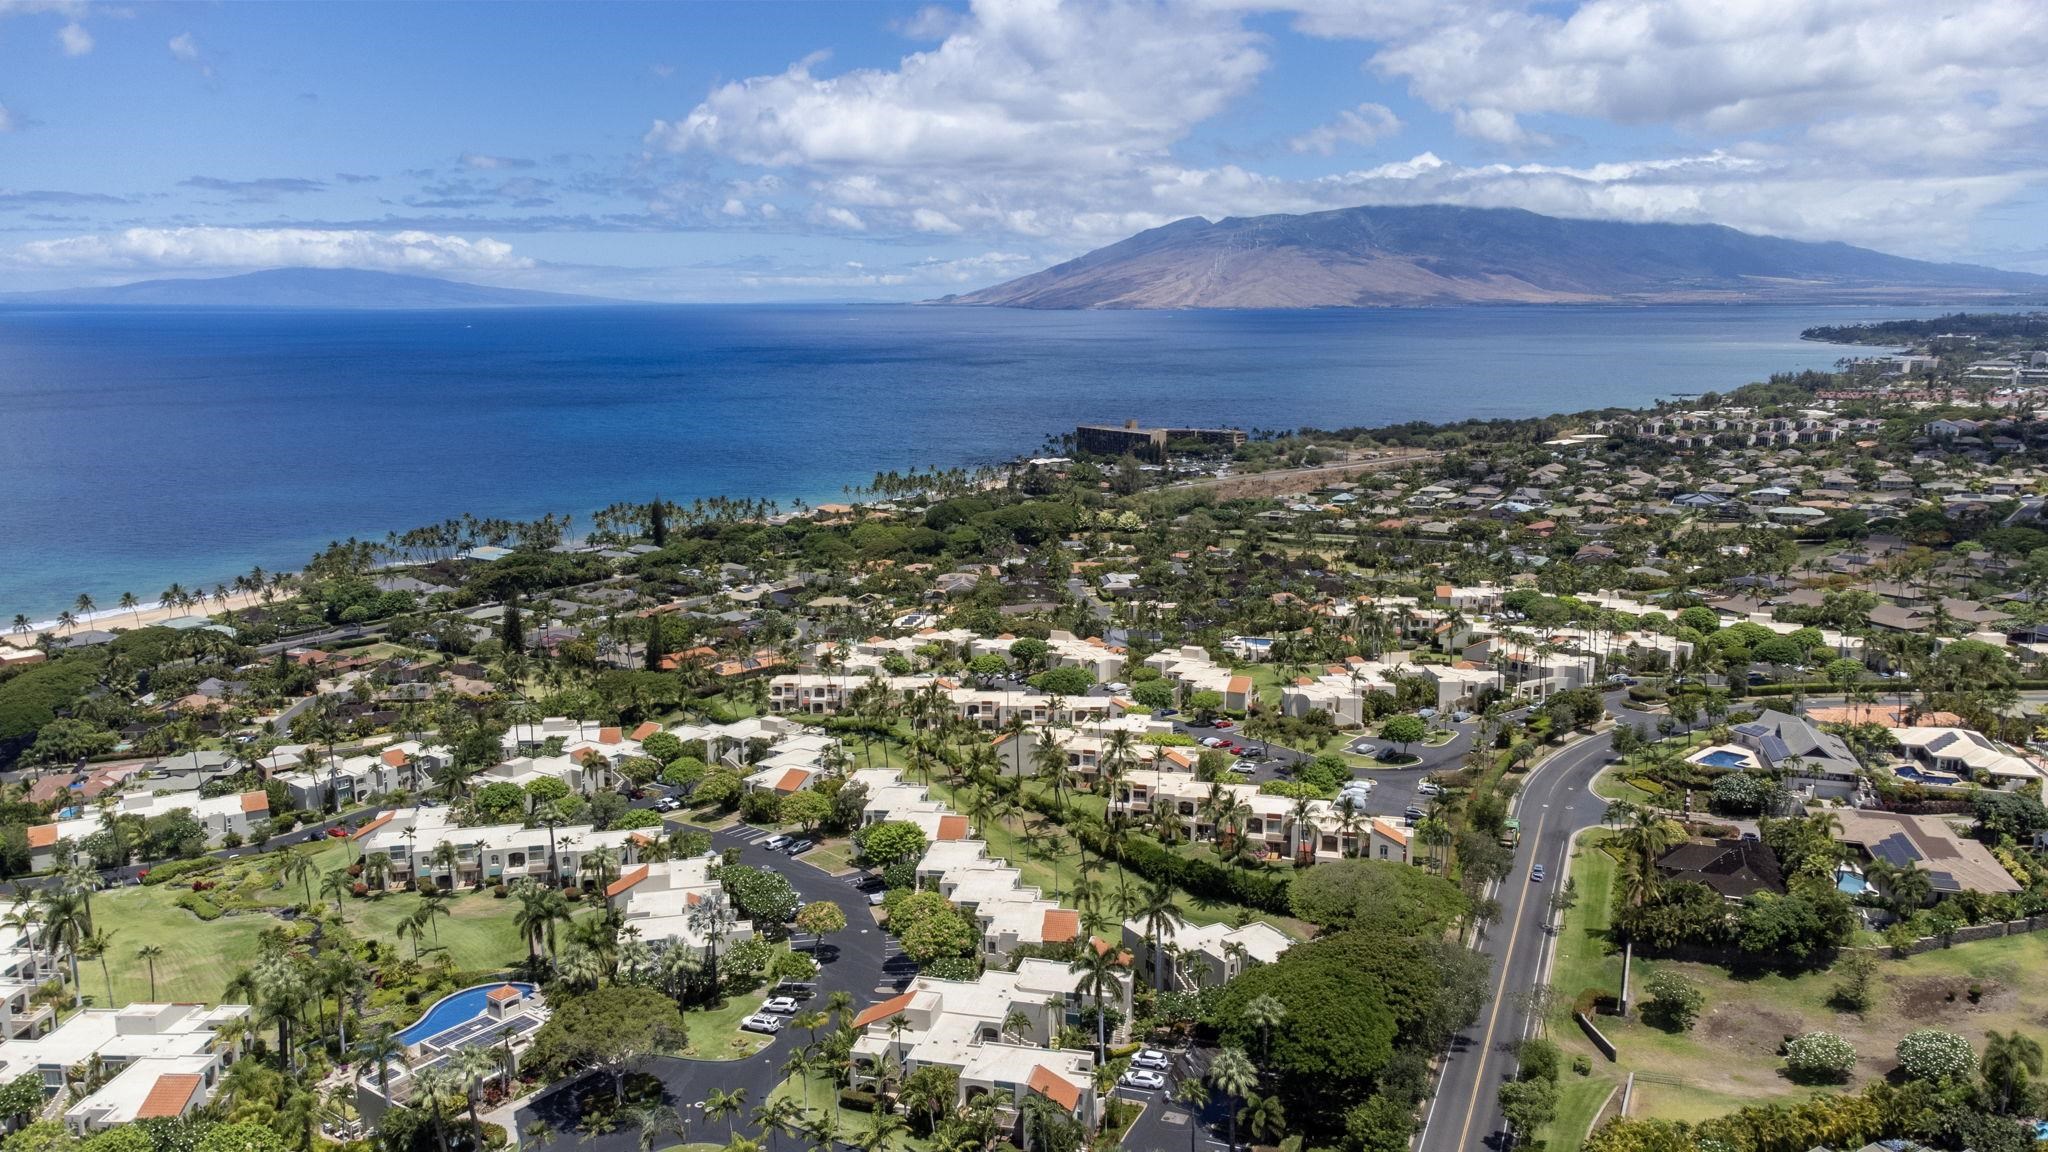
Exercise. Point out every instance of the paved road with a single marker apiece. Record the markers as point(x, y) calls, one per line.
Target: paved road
point(861, 960)
point(1555, 803)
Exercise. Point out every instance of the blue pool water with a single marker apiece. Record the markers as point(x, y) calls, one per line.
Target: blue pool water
point(453, 1009)
point(1720, 759)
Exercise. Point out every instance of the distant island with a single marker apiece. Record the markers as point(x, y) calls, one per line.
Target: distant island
point(1964, 325)
point(1435, 255)
point(305, 288)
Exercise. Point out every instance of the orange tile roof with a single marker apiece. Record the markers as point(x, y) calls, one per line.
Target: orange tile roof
point(1044, 1082)
point(395, 757)
point(373, 825)
point(1240, 683)
point(1444, 590)
point(256, 801)
point(168, 1096)
point(502, 993)
point(792, 780)
point(626, 881)
point(1060, 924)
point(607, 735)
point(42, 835)
point(647, 728)
point(882, 1011)
point(952, 827)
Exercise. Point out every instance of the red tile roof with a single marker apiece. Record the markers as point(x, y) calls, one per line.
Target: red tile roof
point(792, 780)
point(952, 827)
point(647, 728)
point(1049, 1085)
point(395, 757)
point(608, 736)
point(256, 801)
point(373, 825)
point(42, 835)
point(1240, 683)
point(1061, 924)
point(168, 1096)
point(502, 993)
point(882, 1011)
point(626, 881)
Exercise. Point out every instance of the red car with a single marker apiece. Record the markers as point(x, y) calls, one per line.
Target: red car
point(337, 832)
point(1223, 724)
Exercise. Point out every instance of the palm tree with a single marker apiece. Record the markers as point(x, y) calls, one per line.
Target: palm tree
point(432, 1089)
point(96, 947)
point(1161, 918)
point(341, 976)
point(881, 1132)
point(1265, 1012)
point(336, 883)
point(1233, 1075)
point(149, 954)
point(1265, 1118)
point(298, 866)
point(1193, 1095)
point(380, 1050)
point(2009, 1059)
point(473, 1068)
point(727, 1104)
point(83, 605)
point(777, 1114)
point(1101, 976)
point(132, 606)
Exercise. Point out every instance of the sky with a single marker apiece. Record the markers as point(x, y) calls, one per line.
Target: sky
point(899, 151)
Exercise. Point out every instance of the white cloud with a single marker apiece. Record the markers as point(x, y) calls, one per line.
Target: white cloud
point(166, 248)
point(931, 220)
point(1849, 76)
point(1363, 126)
point(6, 119)
point(1015, 86)
point(483, 162)
point(185, 50)
point(76, 41)
point(843, 217)
point(1495, 127)
point(734, 207)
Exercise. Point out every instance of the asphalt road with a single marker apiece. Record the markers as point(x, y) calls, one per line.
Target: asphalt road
point(861, 960)
point(1555, 803)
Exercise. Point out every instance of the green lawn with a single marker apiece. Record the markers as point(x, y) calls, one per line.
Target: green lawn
point(823, 1094)
point(715, 1034)
point(1579, 1101)
point(1730, 1057)
point(199, 958)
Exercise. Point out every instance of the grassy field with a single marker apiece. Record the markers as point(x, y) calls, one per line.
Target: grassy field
point(823, 1094)
point(200, 957)
point(715, 1032)
point(1730, 1056)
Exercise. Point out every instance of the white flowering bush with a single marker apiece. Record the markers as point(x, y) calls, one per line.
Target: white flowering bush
point(1819, 1056)
point(1932, 1054)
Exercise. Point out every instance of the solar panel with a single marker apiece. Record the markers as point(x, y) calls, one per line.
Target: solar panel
point(1895, 850)
point(1775, 750)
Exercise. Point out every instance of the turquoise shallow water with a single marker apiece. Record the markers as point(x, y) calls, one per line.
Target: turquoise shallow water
point(139, 448)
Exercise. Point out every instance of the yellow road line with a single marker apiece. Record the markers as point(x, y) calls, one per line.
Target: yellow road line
point(1499, 993)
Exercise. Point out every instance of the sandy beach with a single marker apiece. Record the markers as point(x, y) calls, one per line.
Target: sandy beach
point(143, 615)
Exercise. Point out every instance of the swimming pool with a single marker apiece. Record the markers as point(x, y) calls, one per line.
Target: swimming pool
point(454, 1009)
point(1722, 758)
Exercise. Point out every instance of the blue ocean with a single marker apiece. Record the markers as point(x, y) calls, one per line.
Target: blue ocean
point(138, 448)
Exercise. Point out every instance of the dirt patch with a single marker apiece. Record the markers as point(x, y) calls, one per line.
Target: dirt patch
point(1749, 1031)
point(1932, 999)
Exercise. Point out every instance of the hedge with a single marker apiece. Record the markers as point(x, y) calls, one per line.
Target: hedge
point(1262, 889)
point(174, 869)
point(855, 1100)
point(199, 905)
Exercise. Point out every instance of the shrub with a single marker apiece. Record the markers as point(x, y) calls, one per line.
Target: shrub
point(1674, 1003)
point(173, 869)
point(199, 905)
point(1819, 1057)
point(499, 891)
point(1932, 1054)
point(1581, 1066)
point(855, 1100)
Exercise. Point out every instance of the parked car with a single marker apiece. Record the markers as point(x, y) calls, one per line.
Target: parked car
point(1212, 741)
point(1144, 1078)
point(1118, 686)
point(1413, 812)
point(875, 899)
point(775, 843)
point(667, 804)
point(1224, 725)
point(1151, 1058)
point(780, 1005)
point(762, 1022)
point(338, 831)
point(799, 847)
point(1429, 788)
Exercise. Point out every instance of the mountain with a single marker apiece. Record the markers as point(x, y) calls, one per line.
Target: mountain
point(1443, 255)
point(306, 288)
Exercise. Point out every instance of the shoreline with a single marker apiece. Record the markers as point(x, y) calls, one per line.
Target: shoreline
point(141, 616)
